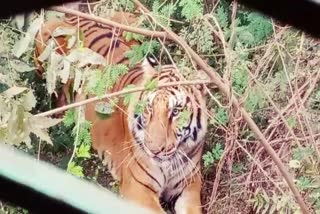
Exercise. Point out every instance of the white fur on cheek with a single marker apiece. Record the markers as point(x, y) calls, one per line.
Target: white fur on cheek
point(180, 207)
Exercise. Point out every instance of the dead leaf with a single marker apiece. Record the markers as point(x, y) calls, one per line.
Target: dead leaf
point(22, 45)
point(14, 91)
point(21, 66)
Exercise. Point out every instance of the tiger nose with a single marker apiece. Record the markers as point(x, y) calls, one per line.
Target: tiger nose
point(166, 152)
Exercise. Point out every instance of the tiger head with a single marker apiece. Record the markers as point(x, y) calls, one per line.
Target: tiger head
point(168, 121)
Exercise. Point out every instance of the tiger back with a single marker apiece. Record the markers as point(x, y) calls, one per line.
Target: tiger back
point(103, 39)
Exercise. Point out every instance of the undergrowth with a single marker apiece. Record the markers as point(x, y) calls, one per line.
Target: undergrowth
point(272, 70)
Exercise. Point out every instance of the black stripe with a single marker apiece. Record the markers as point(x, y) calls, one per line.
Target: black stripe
point(164, 175)
point(195, 150)
point(134, 79)
point(153, 178)
point(199, 118)
point(191, 173)
point(195, 134)
point(85, 23)
point(122, 60)
point(88, 33)
point(139, 123)
point(106, 52)
point(143, 184)
point(98, 38)
point(115, 44)
point(100, 49)
point(126, 79)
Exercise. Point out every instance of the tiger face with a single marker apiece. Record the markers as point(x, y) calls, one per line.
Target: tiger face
point(172, 121)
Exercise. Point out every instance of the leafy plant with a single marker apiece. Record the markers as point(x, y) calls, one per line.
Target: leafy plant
point(212, 156)
point(138, 52)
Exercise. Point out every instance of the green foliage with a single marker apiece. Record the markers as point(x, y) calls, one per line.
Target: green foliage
point(199, 36)
point(127, 98)
point(240, 77)
point(76, 170)
point(69, 117)
point(292, 122)
point(212, 156)
point(163, 12)
point(83, 130)
point(221, 116)
point(256, 99)
point(301, 153)
point(138, 52)
point(222, 17)
point(101, 81)
point(129, 36)
point(191, 8)
point(272, 203)
point(83, 151)
point(139, 107)
point(151, 85)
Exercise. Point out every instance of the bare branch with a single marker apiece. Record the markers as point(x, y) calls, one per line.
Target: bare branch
point(116, 94)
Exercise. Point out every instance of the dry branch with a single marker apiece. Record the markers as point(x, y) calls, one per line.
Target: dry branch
point(117, 94)
point(141, 31)
point(216, 79)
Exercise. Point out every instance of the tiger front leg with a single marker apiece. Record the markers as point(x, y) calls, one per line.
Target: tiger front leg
point(189, 202)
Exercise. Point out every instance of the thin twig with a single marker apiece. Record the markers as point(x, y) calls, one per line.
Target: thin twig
point(116, 94)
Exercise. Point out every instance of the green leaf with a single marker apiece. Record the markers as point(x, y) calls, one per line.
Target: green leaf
point(139, 107)
point(69, 117)
point(222, 116)
point(75, 170)
point(191, 8)
point(292, 122)
point(83, 151)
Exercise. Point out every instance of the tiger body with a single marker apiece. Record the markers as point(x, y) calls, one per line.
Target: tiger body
point(149, 152)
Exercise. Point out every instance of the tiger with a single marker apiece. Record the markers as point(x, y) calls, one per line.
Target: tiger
point(153, 155)
point(103, 39)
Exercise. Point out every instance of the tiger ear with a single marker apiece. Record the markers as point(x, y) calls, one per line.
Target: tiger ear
point(203, 88)
point(148, 67)
point(149, 63)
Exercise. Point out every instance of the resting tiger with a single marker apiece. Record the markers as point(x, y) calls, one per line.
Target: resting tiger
point(152, 155)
